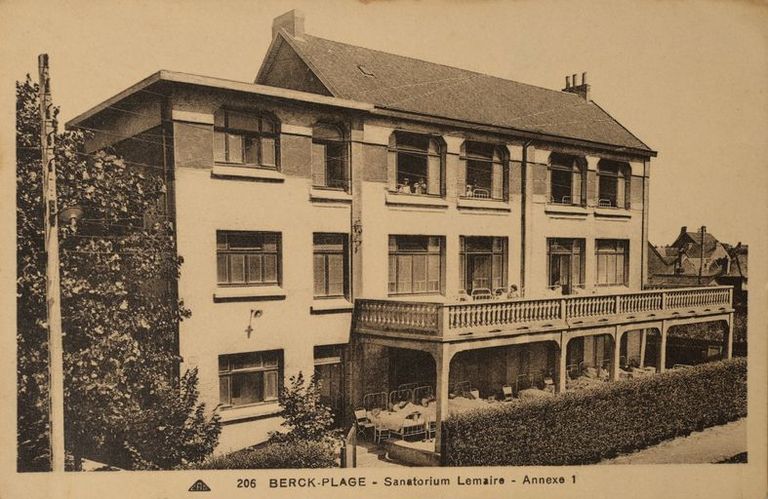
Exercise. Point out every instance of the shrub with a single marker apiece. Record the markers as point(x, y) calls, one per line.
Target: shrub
point(588, 426)
point(295, 454)
point(303, 411)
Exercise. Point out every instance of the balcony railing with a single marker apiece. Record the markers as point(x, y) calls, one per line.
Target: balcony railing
point(441, 319)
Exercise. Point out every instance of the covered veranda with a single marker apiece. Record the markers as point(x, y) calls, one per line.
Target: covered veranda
point(436, 376)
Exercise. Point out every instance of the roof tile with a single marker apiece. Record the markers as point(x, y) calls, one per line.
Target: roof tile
point(412, 85)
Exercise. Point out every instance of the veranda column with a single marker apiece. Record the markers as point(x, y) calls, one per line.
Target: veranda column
point(562, 371)
point(442, 367)
point(616, 354)
point(729, 338)
point(643, 340)
point(661, 356)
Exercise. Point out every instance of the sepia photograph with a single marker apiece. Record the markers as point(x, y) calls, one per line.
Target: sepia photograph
point(372, 248)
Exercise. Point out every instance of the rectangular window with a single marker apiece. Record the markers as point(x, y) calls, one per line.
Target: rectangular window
point(565, 264)
point(613, 184)
point(330, 265)
point(415, 264)
point(248, 258)
point(244, 139)
point(417, 163)
point(486, 172)
point(249, 378)
point(483, 263)
point(566, 180)
point(612, 262)
point(329, 158)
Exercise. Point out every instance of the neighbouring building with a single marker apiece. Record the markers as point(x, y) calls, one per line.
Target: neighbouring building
point(363, 215)
point(698, 258)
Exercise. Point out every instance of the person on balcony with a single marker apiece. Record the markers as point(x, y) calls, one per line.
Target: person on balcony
point(405, 187)
point(513, 292)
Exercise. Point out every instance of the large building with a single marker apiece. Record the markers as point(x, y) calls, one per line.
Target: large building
point(389, 223)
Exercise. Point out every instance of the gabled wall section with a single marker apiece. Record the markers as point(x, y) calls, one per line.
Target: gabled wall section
point(284, 68)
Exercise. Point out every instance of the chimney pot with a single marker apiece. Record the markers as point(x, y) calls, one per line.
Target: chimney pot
point(292, 22)
point(567, 82)
point(584, 78)
point(573, 78)
point(684, 228)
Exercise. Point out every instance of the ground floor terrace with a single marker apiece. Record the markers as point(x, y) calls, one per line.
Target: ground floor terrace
point(413, 364)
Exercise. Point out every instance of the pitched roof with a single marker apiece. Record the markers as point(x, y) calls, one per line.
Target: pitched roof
point(411, 85)
point(690, 243)
point(658, 260)
point(739, 261)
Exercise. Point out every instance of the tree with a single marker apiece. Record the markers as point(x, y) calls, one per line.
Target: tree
point(124, 400)
point(31, 333)
point(304, 413)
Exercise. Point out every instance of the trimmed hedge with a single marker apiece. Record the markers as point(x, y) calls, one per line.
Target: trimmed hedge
point(588, 426)
point(300, 454)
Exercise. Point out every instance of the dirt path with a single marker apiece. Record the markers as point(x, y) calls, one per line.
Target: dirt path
point(708, 446)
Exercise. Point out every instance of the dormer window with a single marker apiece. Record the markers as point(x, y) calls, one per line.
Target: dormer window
point(566, 180)
point(415, 164)
point(485, 172)
point(245, 139)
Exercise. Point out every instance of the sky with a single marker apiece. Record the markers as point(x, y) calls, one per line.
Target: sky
point(687, 77)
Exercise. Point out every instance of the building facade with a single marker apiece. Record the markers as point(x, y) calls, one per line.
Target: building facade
point(384, 221)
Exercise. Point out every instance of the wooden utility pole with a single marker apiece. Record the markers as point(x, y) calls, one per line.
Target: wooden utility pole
point(701, 253)
point(52, 282)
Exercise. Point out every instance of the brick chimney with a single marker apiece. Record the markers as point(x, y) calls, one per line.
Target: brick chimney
point(292, 22)
point(580, 90)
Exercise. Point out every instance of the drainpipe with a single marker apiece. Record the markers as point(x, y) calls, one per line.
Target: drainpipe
point(523, 210)
point(701, 254)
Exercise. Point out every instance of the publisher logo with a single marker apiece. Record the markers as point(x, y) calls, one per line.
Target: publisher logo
point(199, 486)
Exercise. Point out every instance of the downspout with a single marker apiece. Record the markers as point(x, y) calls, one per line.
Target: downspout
point(523, 210)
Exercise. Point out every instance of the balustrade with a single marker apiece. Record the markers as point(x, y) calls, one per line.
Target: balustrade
point(437, 318)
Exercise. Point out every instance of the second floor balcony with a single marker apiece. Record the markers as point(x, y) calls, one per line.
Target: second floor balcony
point(454, 321)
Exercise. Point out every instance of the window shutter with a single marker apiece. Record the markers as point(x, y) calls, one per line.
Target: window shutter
point(268, 151)
point(620, 194)
point(497, 181)
point(433, 175)
point(461, 177)
point(270, 385)
point(224, 390)
point(319, 271)
point(219, 147)
point(576, 184)
point(318, 165)
point(392, 170)
point(627, 191)
point(335, 274)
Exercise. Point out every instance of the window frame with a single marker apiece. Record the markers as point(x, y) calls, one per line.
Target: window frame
point(343, 144)
point(497, 156)
point(577, 248)
point(257, 135)
point(620, 178)
point(620, 248)
point(464, 253)
point(248, 253)
point(578, 168)
point(434, 150)
point(397, 253)
point(325, 253)
point(229, 372)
